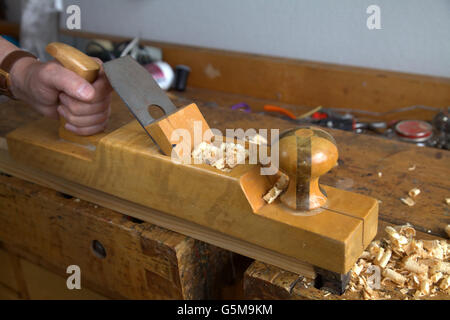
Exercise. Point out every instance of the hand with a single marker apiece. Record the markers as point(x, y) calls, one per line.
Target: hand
point(56, 91)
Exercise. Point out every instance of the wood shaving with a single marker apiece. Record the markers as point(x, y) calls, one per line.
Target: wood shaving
point(414, 192)
point(394, 276)
point(224, 158)
point(445, 283)
point(412, 168)
point(447, 201)
point(408, 201)
point(417, 268)
point(447, 230)
point(281, 185)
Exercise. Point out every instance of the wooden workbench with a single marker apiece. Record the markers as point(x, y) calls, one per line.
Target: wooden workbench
point(221, 79)
point(361, 158)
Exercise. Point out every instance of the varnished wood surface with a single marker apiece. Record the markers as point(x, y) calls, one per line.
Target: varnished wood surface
point(128, 166)
point(74, 60)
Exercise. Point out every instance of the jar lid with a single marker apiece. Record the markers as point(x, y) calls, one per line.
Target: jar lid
point(416, 130)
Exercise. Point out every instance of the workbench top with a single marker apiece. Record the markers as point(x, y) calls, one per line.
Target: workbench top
point(369, 165)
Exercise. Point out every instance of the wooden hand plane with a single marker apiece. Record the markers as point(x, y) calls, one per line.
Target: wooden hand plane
point(311, 229)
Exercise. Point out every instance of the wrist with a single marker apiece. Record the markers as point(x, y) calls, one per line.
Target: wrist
point(18, 76)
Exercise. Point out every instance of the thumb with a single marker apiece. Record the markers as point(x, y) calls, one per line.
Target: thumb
point(69, 82)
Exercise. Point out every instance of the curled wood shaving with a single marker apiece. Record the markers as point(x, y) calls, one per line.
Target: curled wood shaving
point(412, 265)
point(414, 192)
point(385, 258)
point(417, 268)
point(394, 276)
point(445, 283)
point(408, 201)
point(277, 189)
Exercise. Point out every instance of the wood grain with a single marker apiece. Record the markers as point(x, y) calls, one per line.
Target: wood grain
point(45, 285)
point(153, 216)
point(142, 260)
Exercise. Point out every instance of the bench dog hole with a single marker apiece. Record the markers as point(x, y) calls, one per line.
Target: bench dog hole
point(98, 249)
point(65, 195)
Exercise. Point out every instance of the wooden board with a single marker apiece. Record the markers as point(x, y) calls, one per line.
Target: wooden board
point(142, 261)
point(126, 164)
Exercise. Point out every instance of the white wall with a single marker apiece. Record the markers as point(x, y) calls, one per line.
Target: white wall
point(415, 35)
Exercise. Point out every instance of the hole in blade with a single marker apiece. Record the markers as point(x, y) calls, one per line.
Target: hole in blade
point(156, 111)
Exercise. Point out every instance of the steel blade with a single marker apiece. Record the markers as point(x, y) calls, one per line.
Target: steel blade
point(137, 88)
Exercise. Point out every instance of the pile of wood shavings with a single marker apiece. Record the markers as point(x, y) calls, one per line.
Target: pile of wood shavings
point(417, 268)
point(224, 158)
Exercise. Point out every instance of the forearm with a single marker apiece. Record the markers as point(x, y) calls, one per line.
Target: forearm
point(5, 48)
point(17, 72)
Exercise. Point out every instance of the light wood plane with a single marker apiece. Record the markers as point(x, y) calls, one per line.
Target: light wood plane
point(126, 164)
point(310, 225)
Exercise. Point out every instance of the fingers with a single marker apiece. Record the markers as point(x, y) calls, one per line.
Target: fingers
point(85, 131)
point(67, 81)
point(78, 108)
point(85, 106)
point(85, 125)
point(83, 120)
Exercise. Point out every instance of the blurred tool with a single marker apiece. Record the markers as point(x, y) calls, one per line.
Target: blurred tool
point(318, 116)
point(413, 131)
point(131, 49)
point(106, 51)
point(422, 133)
point(102, 49)
point(283, 111)
point(181, 77)
point(241, 106)
point(162, 73)
point(441, 127)
point(149, 57)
